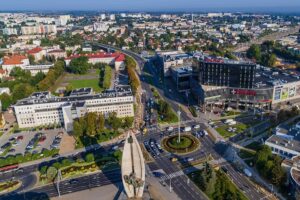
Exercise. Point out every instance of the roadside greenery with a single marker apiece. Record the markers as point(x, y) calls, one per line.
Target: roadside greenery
point(269, 166)
point(9, 185)
point(70, 167)
point(164, 110)
point(133, 78)
point(216, 184)
point(93, 128)
point(19, 158)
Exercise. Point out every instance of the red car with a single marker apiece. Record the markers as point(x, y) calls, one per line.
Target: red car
point(42, 139)
point(20, 137)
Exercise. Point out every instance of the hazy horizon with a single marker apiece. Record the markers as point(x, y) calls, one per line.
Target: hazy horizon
point(154, 5)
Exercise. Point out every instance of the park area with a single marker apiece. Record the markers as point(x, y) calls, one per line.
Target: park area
point(228, 131)
point(98, 79)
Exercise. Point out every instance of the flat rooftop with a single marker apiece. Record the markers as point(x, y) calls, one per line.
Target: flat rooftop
point(46, 97)
point(266, 77)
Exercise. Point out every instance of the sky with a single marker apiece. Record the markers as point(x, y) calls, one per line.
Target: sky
point(153, 5)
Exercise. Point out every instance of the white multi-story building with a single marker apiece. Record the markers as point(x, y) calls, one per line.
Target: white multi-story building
point(63, 19)
point(101, 26)
point(38, 29)
point(10, 31)
point(42, 108)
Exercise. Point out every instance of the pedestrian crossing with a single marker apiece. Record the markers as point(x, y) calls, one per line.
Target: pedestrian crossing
point(172, 175)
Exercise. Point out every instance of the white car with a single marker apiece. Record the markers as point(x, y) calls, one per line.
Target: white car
point(197, 126)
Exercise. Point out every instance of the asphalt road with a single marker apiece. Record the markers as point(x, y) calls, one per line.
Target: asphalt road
point(182, 188)
point(67, 186)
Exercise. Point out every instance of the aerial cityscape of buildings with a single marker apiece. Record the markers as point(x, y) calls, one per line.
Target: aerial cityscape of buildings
point(142, 105)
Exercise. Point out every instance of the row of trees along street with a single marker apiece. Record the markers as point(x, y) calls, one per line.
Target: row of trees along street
point(133, 78)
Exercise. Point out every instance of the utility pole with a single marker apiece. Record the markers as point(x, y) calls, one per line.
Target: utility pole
point(178, 113)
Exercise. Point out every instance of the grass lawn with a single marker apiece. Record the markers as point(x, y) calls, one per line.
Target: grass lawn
point(93, 83)
point(254, 145)
point(225, 133)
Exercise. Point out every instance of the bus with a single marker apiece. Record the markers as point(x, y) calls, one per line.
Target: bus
point(9, 168)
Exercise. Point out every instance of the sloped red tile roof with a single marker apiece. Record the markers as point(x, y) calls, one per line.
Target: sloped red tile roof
point(14, 60)
point(35, 50)
point(98, 55)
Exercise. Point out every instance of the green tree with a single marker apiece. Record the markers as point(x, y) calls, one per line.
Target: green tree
point(21, 91)
point(43, 169)
point(89, 157)
point(77, 129)
point(128, 122)
point(91, 120)
point(6, 100)
point(268, 60)
point(51, 173)
point(31, 59)
point(100, 123)
point(254, 52)
point(79, 65)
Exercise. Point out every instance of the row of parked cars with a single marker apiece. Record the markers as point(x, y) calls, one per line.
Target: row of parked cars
point(36, 141)
point(12, 142)
point(56, 142)
point(153, 147)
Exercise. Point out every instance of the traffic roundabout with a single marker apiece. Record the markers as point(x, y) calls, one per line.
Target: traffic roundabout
point(187, 144)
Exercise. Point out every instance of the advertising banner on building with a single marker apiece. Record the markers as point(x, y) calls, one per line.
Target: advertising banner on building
point(286, 92)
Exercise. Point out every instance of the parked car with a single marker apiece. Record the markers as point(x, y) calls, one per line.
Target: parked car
point(197, 126)
point(20, 137)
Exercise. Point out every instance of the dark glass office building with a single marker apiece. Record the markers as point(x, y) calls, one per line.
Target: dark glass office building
point(219, 72)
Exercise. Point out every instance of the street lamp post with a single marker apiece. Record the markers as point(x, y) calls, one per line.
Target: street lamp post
point(178, 113)
point(170, 185)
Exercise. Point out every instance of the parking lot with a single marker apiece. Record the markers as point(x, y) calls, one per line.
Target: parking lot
point(33, 142)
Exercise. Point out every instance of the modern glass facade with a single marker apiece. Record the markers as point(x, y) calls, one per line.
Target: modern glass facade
point(239, 75)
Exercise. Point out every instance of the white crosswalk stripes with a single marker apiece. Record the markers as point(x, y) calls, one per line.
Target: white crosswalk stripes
point(172, 175)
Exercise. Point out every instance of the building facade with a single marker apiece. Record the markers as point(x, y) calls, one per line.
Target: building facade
point(42, 108)
point(38, 29)
point(221, 72)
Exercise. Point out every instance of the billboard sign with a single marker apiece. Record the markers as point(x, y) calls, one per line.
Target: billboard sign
point(243, 92)
point(286, 92)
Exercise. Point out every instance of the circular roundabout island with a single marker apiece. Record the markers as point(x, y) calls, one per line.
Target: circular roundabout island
point(187, 144)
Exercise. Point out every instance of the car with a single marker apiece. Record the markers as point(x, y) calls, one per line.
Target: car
point(20, 137)
point(20, 170)
point(42, 139)
point(115, 147)
point(12, 139)
point(174, 159)
point(5, 145)
point(12, 151)
point(55, 155)
point(197, 126)
point(73, 181)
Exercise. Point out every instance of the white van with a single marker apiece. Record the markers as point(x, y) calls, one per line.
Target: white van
point(187, 129)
